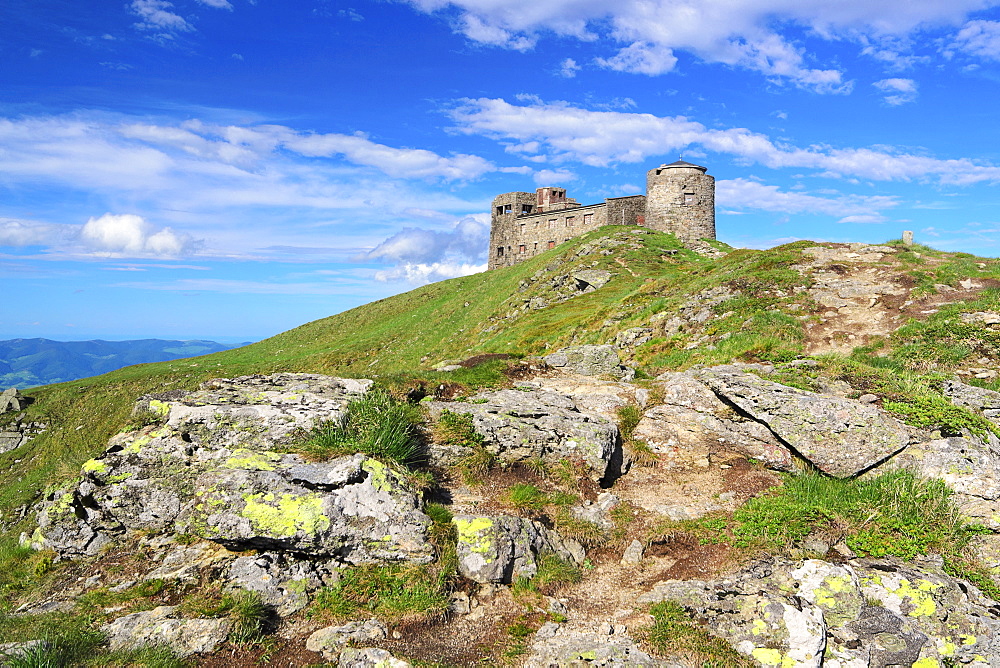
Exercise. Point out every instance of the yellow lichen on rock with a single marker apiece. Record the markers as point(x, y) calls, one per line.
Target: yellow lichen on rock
point(291, 515)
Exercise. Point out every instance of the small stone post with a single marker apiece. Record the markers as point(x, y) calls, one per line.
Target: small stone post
point(907, 237)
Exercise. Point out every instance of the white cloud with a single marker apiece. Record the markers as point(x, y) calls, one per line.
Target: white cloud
point(420, 274)
point(641, 58)
point(751, 194)
point(979, 38)
point(131, 235)
point(866, 219)
point(155, 15)
point(600, 138)
point(898, 91)
point(218, 4)
point(398, 162)
point(19, 233)
point(466, 239)
point(646, 34)
point(551, 177)
point(568, 68)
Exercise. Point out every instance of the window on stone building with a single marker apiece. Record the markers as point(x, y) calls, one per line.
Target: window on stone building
point(570, 221)
point(499, 251)
point(522, 228)
point(552, 244)
point(689, 198)
point(526, 208)
point(507, 208)
point(588, 219)
point(536, 245)
point(522, 248)
point(552, 223)
point(500, 210)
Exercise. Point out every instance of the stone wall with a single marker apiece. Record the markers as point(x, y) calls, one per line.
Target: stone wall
point(514, 239)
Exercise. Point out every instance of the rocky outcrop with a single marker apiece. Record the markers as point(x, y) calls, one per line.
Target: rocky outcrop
point(11, 401)
point(504, 549)
point(590, 361)
point(16, 433)
point(210, 470)
point(861, 614)
point(839, 436)
point(523, 425)
point(281, 580)
point(165, 626)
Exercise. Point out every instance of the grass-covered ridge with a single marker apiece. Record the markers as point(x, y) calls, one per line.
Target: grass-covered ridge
point(744, 305)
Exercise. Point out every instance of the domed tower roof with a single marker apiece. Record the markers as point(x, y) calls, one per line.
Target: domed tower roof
point(681, 163)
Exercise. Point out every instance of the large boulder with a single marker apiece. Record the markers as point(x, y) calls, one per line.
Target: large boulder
point(526, 424)
point(210, 471)
point(856, 615)
point(839, 436)
point(590, 360)
point(503, 549)
point(165, 626)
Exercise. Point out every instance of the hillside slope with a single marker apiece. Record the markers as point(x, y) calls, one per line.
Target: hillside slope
point(855, 330)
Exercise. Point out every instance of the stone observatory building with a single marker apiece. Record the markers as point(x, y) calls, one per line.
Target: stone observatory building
point(680, 198)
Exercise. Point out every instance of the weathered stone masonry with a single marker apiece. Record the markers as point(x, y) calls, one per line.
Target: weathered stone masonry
point(680, 198)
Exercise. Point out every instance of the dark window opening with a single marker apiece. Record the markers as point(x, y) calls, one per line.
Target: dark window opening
point(499, 251)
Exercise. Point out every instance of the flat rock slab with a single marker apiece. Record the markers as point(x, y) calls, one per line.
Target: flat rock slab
point(839, 436)
point(522, 425)
point(164, 626)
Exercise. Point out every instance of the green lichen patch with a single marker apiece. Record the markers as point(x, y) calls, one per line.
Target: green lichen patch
point(94, 466)
point(286, 515)
point(474, 534)
point(251, 460)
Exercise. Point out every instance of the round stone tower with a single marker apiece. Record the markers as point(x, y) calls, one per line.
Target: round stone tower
point(680, 198)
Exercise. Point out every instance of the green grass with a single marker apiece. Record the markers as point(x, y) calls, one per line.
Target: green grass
point(387, 592)
point(376, 424)
point(891, 514)
point(674, 634)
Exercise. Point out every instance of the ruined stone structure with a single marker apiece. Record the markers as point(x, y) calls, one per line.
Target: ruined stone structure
point(680, 198)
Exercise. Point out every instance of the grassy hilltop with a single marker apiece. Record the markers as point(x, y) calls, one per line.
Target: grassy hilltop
point(700, 308)
point(765, 317)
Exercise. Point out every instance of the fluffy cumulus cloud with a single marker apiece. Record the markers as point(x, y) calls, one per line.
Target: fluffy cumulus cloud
point(561, 132)
point(644, 35)
point(897, 91)
point(132, 236)
point(420, 256)
point(979, 38)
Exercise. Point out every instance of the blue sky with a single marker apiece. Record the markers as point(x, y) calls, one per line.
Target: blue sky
point(231, 169)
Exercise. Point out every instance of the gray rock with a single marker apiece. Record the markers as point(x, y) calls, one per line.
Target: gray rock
point(11, 400)
point(503, 549)
point(20, 652)
point(978, 399)
point(587, 649)
point(226, 484)
point(186, 562)
point(589, 280)
point(369, 657)
point(597, 512)
point(971, 468)
point(164, 626)
point(856, 615)
point(633, 553)
point(330, 641)
point(590, 361)
point(633, 337)
point(524, 425)
point(839, 436)
point(282, 581)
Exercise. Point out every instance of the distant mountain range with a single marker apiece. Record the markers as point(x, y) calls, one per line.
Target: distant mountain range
point(31, 362)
